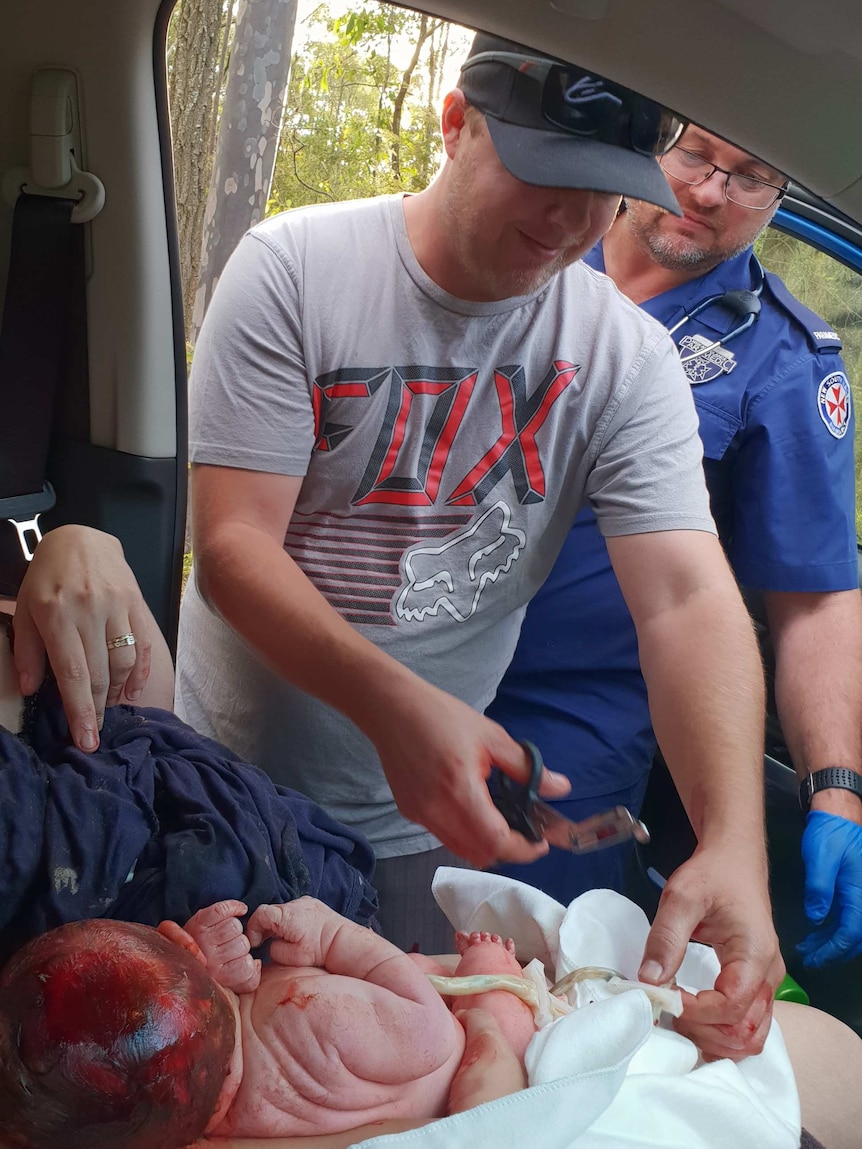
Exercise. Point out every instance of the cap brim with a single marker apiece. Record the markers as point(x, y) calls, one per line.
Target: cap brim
point(558, 159)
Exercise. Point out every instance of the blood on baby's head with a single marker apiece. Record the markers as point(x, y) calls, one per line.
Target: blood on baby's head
point(111, 1035)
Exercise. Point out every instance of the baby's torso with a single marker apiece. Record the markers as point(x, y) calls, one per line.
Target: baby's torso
point(323, 1053)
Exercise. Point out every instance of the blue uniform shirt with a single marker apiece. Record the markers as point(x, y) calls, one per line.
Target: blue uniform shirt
point(777, 429)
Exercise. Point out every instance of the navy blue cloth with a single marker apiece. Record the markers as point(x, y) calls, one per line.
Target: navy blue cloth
point(158, 823)
point(776, 423)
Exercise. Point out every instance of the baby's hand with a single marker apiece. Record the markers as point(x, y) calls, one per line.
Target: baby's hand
point(302, 931)
point(218, 931)
point(489, 1067)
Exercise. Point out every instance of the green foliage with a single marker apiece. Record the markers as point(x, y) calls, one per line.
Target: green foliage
point(834, 292)
point(337, 135)
point(356, 25)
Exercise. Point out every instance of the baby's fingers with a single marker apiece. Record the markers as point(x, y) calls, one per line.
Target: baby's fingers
point(220, 914)
point(265, 922)
point(241, 974)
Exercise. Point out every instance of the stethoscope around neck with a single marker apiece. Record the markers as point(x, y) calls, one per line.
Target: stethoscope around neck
point(744, 303)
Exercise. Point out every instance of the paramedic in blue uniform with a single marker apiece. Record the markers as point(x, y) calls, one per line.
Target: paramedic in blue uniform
point(777, 428)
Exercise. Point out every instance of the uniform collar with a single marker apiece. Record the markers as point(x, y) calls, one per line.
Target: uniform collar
point(670, 306)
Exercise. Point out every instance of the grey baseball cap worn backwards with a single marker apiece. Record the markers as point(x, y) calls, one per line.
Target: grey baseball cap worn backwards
point(556, 125)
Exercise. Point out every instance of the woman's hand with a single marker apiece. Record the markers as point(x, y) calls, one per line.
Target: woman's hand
point(77, 597)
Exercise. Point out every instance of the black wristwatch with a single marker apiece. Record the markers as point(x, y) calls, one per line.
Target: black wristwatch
point(832, 778)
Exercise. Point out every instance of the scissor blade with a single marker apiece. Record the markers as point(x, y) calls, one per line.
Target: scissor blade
point(595, 833)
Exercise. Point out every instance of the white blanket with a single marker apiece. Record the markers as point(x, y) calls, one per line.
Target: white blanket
point(604, 1077)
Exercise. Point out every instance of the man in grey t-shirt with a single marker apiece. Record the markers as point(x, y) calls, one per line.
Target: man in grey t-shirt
point(398, 407)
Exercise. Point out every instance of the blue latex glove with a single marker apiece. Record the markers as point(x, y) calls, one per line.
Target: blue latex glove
point(832, 853)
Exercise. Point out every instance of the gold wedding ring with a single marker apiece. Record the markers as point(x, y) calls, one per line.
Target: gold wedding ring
point(123, 640)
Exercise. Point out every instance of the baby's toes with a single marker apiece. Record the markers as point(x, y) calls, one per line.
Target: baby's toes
point(484, 937)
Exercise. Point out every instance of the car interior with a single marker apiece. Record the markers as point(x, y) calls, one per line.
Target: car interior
point(85, 97)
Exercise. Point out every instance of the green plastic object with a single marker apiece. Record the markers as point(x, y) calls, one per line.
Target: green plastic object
point(791, 990)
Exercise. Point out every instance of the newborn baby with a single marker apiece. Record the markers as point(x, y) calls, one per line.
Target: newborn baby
point(115, 1034)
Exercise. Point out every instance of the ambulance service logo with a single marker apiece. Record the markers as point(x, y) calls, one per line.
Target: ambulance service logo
point(833, 403)
point(702, 360)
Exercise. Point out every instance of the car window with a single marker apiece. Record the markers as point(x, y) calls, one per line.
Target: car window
point(834, 292)
point(357, 115)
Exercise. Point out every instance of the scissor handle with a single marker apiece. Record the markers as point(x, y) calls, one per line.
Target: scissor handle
point(514, 800)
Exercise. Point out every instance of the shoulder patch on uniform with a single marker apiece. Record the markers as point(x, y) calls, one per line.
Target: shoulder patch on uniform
point(820, 335)
point(834, 403)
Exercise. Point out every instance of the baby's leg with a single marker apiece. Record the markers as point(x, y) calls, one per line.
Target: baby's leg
point(488, 953)
point(218, 931)
point(489, 1068)
point(442, 965)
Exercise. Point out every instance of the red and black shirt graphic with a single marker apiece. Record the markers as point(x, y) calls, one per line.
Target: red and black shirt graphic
point(406, 563)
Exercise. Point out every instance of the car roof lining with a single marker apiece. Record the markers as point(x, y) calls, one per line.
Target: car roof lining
point(776, 91)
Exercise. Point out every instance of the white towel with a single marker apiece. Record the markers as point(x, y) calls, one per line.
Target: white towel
point(604, 1077)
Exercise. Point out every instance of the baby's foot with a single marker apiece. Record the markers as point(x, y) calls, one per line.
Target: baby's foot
point(463, 941)
point(483, 952)
point(486, 953)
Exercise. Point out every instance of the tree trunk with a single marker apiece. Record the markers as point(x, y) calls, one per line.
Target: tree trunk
point(437, 53)
point(248, 136)
point(193, 97)
point(401, 95)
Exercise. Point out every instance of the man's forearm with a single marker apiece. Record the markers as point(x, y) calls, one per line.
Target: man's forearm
point(818, 686)
point(705, 682)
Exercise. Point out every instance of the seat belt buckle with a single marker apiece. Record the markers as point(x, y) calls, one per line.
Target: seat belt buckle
point(23, 512)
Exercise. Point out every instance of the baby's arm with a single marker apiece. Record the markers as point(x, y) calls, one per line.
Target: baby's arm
point(218, 932)
point(308, 933)
point(489, 1067)
point(369, 1004)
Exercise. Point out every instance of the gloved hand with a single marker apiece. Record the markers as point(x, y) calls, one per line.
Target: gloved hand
point(832, 854)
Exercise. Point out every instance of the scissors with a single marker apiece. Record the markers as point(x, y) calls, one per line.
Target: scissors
point(525, 812)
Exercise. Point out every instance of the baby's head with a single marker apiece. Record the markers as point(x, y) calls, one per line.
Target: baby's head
point(111, 1035)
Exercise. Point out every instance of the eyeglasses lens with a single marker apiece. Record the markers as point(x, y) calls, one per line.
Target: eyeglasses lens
point(746, 191)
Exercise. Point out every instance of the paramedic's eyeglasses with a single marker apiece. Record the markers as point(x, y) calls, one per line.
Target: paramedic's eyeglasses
point(694, 170)
point(587, 105)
